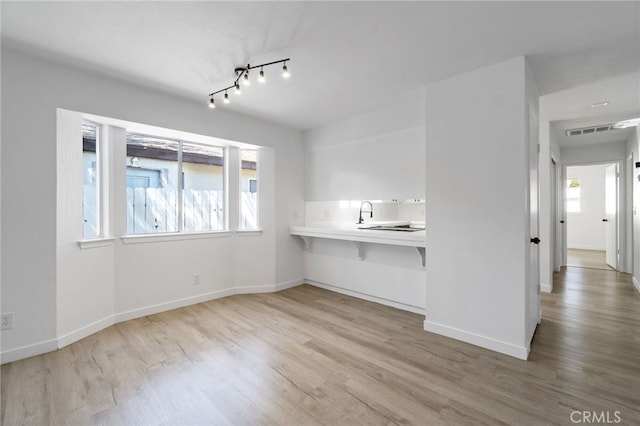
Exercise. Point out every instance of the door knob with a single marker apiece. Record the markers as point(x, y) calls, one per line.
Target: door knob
point(535, 240)
point(605, 220)
point(562, 221)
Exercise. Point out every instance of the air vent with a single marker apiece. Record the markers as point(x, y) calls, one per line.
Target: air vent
point(589, 130)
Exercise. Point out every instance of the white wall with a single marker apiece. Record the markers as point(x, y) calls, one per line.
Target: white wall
point(391, 275)
point(585, 229)
point(32, 90)
point(476, 209)
point(376, 156)
point(84, 280)
point(598, 153)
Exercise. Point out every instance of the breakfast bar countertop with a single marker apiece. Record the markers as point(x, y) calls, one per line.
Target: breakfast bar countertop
point(350, 232)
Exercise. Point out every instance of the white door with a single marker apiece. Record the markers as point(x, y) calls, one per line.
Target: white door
point(611, 214)
point(533, 285)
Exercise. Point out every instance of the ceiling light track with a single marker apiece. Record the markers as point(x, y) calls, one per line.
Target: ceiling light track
point(243, 73)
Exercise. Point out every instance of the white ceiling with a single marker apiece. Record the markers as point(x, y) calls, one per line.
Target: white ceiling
point(571, 109)
point(347, 58)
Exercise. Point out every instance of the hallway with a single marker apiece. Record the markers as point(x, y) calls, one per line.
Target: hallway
point(590, 335)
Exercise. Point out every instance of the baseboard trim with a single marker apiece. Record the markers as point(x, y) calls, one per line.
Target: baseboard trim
point(269, 288)
point(28, 351)
point(546, 288)
point(636, 284)
point(254, 289)
point(174, 304)
point(289, 284)
point(520, 352)
point(370, 298)
point(85, 331)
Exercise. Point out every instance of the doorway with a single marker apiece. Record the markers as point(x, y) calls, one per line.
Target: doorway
point(591, 206)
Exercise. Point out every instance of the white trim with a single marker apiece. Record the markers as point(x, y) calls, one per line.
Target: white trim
point(248, 232)
point(173, 236)
point(290, 284)
point(520, 352)
point(269, 288)
point(254, 289)
point(28, 351)
point(636, 284)
point(97, 242)
point(387, 302)
point(174, 304)
point(85, 331)
point(546, 288)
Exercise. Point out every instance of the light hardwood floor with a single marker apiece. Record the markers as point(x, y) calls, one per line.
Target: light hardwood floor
point(594, 259)
point(310, 356)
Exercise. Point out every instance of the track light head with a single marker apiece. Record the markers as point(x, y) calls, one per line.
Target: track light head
point(285, 71)
point(238, 91)
point(226, 97)
point(261, 78)
point(212, 104)
point(245, 80)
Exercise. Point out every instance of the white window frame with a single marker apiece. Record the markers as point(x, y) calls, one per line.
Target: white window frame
point(102, 165)
point(257, 179)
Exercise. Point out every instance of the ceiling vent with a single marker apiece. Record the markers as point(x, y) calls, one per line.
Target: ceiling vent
point(589, 130)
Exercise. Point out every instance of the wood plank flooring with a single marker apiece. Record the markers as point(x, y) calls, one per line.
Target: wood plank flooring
point(307, 356)
point(594, 259)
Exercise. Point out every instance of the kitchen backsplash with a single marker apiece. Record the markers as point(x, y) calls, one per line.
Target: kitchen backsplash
point(345, 212)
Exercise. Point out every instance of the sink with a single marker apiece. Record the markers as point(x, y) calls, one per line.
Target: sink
point(397, 228)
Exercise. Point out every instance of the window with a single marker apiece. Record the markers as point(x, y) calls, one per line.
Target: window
point(248, 189)
point(173, 186)
point(90, 181)
point(573, 195)
point(203, 184)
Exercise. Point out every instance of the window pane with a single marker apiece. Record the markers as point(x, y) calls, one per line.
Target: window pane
point(248, 189)
point(203, 183)
point(90, 207)
point(573, 195)
point(152, 185)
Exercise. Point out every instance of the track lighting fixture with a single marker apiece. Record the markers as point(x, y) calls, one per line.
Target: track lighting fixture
point(243, 72)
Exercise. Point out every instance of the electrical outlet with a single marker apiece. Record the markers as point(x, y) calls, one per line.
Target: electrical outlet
point(7, 321)
point(196, 279)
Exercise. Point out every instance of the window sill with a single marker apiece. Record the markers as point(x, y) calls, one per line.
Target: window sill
point(154, 238)
point(248, 232)
point(95, 243)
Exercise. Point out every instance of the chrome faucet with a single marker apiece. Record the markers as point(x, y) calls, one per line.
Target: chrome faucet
point(370, 211)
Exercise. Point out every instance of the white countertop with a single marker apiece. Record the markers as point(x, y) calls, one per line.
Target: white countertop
point(350, 232)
